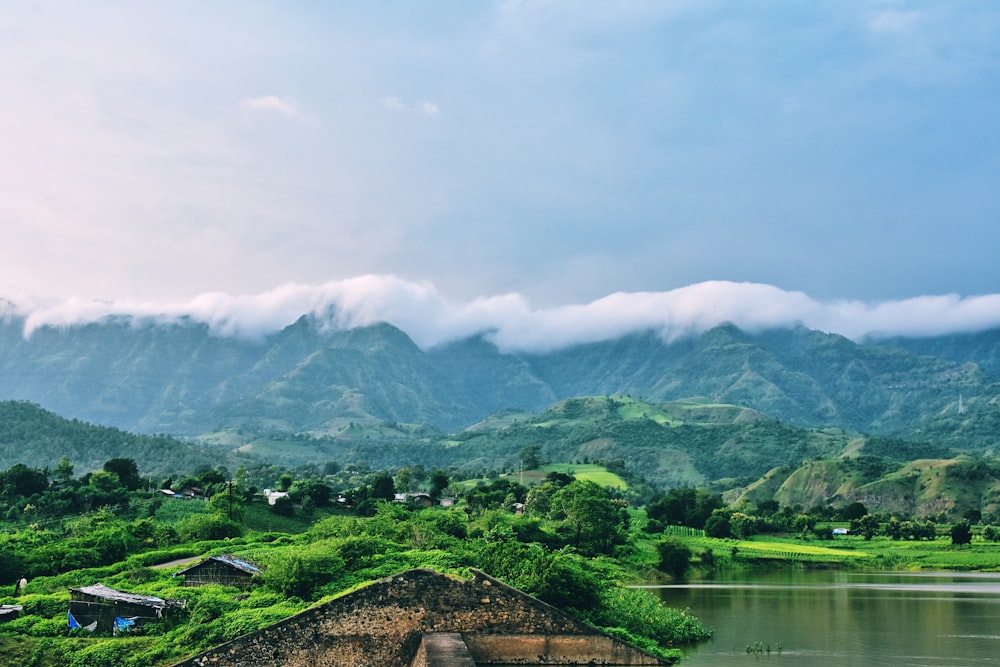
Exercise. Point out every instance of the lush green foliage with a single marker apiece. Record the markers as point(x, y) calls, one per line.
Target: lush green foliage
point(544, 555)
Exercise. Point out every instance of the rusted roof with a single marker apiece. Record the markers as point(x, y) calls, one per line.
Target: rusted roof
point(228, 559)
point(105, 593)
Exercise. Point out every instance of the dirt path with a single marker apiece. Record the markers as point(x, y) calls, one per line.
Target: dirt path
point(176, 563)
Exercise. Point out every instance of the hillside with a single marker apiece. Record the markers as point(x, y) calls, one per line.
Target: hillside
point(930, 487)
point(181, 379)
point(749, 456)
point(40, 439)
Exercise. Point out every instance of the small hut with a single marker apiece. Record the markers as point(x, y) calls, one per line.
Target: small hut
point(8, 612)
point(103, 605)
point(227, 570)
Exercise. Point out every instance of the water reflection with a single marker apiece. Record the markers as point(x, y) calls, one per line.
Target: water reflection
point(832, 618)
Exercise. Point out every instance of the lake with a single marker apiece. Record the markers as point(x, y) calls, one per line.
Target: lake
point(834, 618)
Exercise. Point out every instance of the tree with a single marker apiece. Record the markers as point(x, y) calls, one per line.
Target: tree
point(743, 525)
point(973, 516)
point(530, 457)
point(866, 526)
point(853, 511)
point(538, 502)
point(227, 504)
point(684, 507)
point(675, 557)
point(105, 480)
point(127, 471)
point(594, 522)
point(318, 493)
point(718, 525)
point(23, 481)
point(404, 479)
point(383, 488)
point(439, 482)
point(961, 533)
point(64, 470)
point(284, 506)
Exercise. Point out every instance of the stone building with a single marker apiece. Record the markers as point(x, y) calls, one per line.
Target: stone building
point(413, 618)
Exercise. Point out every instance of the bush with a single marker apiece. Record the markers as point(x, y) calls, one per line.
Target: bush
point(643, 614)
point(564, 582)
point(675, 557)
point(653, 526)
point(207, 527)
point(211, 604)
point(301, 572)
point(104, 654)
point(718, 526)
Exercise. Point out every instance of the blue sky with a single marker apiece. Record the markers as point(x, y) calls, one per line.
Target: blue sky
point(558, 151)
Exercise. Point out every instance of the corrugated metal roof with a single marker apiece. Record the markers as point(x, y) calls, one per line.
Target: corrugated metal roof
point(102, 591)
point(228, 559)
point(239, 563)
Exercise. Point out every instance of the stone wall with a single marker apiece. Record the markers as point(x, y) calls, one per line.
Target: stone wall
point(381, 625)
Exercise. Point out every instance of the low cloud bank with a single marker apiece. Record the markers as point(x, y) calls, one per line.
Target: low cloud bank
point(513, 325)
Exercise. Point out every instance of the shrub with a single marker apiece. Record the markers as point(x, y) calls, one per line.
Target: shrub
point(564, 582)
point(103, 654)
point(643, 614)
point(675, 557)
point(300, 573)
point(207, 527)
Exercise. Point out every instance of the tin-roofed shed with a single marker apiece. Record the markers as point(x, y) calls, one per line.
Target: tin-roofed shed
point(226, 570)
point(102, 604)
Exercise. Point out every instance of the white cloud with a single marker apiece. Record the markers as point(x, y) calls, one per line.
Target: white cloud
point(397, 104)
point(894, 21)
point(286, 106)
point(393, 104)
point(510, 322)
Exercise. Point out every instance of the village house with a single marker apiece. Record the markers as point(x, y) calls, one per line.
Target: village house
point(104, 609)
point(8, 612)
point(272, 496)
point(226, 570)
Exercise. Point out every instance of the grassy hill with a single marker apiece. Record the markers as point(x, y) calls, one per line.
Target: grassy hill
point(926, 487)
point(39, 439)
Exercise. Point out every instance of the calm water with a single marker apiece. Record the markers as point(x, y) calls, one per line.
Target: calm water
point(827, 618)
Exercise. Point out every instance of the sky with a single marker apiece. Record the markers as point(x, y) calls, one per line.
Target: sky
point(510, 165)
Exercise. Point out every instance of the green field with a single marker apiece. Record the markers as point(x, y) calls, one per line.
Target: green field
point(588, 472)
point(850, 551)
point(582, 471)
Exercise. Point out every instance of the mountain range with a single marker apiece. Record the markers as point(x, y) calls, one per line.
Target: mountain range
point(182, 379)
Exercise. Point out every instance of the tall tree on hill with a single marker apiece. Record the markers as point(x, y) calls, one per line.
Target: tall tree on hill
point(127, 471)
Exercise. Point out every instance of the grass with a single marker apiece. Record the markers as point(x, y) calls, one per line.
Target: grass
point(588, 472)
point(583, 471)
point(850, 551)
point(631, 409)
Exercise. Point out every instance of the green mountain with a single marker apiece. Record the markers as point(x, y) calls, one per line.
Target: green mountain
point(182, 379)
point(40, 439)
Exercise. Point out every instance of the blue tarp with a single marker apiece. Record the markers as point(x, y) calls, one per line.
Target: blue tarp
point(123, 624)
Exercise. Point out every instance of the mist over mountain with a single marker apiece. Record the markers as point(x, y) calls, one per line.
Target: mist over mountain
point(511, 323)
point(180, 376)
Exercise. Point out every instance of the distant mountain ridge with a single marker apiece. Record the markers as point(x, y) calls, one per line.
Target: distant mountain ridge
point(181, 379)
